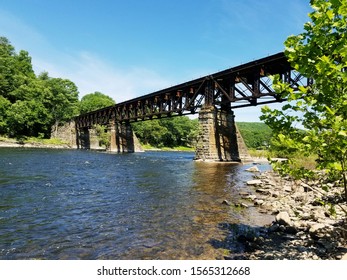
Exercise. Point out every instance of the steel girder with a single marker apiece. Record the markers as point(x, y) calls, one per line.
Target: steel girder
point(242, 86)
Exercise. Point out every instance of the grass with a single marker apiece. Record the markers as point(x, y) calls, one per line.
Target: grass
point(52, 141)
point(33, 140)
point(179, 148)
point(259, 153)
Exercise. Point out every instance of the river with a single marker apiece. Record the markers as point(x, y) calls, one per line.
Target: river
point(74, 204)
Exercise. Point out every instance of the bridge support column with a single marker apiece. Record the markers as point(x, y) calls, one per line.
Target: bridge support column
point(123, 139)
point(93, 139)
point(82, 138)
point(218, 136)
point(113, 137)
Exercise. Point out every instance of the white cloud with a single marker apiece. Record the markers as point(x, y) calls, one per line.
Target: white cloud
point(91, 73)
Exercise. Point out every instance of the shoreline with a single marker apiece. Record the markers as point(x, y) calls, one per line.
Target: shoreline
point(15, 144)
point(303, 227)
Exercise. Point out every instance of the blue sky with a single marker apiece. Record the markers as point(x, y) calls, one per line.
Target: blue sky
point(133, 47)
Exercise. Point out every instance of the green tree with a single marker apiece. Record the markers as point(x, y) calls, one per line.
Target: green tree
point(255, 135)
point(61, 98)
point(95, 101)
point(30, 105)
point(27, 118)
point(169, 132)
point(150, 132)
point(7, 62)
point(4, 107)
point(320, 52)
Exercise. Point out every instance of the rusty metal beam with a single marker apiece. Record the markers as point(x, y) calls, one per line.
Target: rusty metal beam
point(235, 87)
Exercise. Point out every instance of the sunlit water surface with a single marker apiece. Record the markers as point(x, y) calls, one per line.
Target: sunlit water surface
point(70, 204)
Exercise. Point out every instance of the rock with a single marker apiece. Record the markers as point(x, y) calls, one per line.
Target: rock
point(273, 228)
point(226, 202)
point(263, 191)
point(291, 230)
point(344, 257)
point(283, 219)
point(254, 182)
point(259, 202)
point(253, 169)
point(275, 194)
point(306, 216)
point(252, 197)
point(287, 188)
point(319, 215)
point(316, 230)
point(243, 193)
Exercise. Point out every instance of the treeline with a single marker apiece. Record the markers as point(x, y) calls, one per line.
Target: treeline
point(182, 131)
point(30, 104)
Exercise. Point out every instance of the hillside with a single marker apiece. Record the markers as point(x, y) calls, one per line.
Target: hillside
point(256, 135)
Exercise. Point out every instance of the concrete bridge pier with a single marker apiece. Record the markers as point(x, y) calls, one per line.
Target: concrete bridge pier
point(219, 139)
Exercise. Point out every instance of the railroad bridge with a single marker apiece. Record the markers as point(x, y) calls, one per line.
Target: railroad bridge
point(214, 97)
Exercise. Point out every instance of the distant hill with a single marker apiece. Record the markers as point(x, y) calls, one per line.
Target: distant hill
point(255, 134)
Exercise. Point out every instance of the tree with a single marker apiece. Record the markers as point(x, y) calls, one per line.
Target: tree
point(255, 135)
point(320, 53)
point(30, 105)
point(61, 98)
point(95, 101)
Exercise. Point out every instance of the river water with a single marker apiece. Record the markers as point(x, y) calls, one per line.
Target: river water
point(73, 204)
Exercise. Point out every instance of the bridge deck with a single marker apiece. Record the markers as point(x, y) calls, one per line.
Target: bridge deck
point(241, 86)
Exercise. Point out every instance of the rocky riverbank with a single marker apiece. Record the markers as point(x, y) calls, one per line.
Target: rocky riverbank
point(12, 143)
point(309, 223)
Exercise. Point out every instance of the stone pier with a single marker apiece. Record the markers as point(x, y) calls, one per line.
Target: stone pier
point(218, 140)
point(123, 139)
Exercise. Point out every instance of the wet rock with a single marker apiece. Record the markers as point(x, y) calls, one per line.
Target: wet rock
point(283, 219)
point(253, 169)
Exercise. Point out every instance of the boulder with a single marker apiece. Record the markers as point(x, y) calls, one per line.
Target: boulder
point(283, 219)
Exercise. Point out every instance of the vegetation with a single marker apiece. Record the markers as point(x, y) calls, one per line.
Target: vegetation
point(256, 135)
point(95, 101)
point(171, 132)
point(30, 105)
point(320, 52)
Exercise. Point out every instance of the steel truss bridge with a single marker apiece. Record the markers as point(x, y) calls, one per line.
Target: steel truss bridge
point(237, 87)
